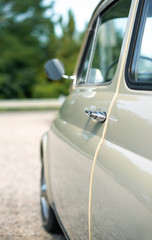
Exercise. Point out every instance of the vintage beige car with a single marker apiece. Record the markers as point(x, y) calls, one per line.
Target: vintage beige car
point(96, 178)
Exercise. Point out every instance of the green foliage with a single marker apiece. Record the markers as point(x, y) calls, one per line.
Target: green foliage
point(69, 52)
point(27, 41)
point(50, 90)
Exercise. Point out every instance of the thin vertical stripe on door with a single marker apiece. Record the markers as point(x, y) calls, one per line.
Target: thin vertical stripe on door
point(108, 115)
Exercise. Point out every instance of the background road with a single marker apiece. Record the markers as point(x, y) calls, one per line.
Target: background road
point(20, 134)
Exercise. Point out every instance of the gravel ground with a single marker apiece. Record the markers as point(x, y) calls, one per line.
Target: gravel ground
point(20, 134)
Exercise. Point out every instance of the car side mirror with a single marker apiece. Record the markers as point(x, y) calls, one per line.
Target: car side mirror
point(54, 69)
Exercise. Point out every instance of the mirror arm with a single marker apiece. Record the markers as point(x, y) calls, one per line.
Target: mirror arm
point(69, 77)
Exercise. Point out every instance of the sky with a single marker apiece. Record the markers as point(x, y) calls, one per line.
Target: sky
point(82, 10)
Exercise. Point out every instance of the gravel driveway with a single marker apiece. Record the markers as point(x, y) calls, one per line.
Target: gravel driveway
point(20, 135)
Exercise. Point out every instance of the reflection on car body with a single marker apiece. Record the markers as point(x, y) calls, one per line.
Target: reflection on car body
point(97, 167)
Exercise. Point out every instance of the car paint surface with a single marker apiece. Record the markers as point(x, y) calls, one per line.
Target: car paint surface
point(121, 206)
point(73, 141)
point(123, 173)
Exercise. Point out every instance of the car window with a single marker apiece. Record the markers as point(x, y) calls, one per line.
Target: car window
point(102, 57)
point(86, 56)
point(141, 69)
point(107, 50)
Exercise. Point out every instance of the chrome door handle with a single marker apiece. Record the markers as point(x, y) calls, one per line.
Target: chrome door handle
point(96, 115)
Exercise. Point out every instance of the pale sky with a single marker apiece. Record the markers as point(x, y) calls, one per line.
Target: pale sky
point(82, 10)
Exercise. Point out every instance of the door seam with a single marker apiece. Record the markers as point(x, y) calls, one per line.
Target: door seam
point(108, 116)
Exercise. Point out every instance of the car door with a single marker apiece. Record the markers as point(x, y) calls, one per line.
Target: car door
point(122, 192)
point(74, 137)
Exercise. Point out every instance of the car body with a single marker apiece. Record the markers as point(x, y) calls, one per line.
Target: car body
point(97, 156)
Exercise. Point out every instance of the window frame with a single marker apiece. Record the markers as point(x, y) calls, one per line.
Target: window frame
point(93, 30)
point(99, 11)
point(135, 44)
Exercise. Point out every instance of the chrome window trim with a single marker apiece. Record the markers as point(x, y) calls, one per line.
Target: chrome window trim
point(93, 48)
point(101, 7)
point(97, 14)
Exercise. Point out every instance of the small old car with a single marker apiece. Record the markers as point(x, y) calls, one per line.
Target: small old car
point(96, 177)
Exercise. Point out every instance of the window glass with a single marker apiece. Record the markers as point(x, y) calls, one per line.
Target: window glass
point(101, 55)
point(108, 44)
point(141, 71)
point(85, 60)
point(107, 50)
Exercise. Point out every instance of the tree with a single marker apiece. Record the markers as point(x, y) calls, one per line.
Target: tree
point(27, 41)
point(67, 49)
point(25, 34)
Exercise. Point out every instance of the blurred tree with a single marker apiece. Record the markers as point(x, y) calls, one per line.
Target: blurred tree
point(27, 41)
point(71, 43)
point(25, 33)
point(67, 49)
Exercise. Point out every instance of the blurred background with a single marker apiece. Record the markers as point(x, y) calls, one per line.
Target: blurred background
point(33, 31)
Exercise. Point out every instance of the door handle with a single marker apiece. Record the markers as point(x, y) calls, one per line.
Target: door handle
point(96, 115)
